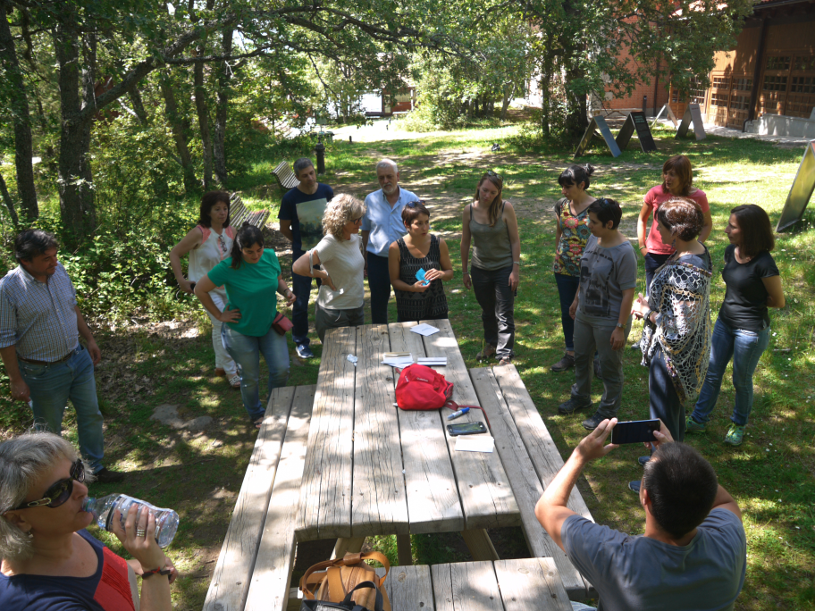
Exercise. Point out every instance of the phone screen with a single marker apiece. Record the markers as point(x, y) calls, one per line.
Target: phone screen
point(466, 428)
point(634, 431)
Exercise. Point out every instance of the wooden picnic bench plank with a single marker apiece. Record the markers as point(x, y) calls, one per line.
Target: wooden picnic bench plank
point(432, 496)
point(325, 499)
point(409, 588)
point(466, 586)
point(230, 580)
point(526, 485)
point(269, 586)
point(378, 504)
point(531, 583)
point(486, 495)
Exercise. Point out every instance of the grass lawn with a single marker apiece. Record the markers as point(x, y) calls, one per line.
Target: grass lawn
point(771, 474)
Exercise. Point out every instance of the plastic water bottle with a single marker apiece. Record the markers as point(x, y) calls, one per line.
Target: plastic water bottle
point(104, 508)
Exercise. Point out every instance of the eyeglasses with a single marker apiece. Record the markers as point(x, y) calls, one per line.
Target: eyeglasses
point(494, 174)
point(60, 491)
point(356, 221)
point(418, 202)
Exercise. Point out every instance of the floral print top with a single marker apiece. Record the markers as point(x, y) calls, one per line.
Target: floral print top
point(574, 233)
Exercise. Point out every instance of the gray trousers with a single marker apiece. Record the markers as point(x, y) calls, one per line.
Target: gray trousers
point(497, 301)
point(331, 319)
point(587, 339)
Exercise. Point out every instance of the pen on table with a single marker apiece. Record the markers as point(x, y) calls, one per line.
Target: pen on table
point(459, 413)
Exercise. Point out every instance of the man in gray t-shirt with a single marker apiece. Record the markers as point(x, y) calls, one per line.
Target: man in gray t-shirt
point(693, 554)
point(602, 311)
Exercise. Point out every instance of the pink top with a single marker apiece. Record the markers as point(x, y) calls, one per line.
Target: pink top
point(655, 198)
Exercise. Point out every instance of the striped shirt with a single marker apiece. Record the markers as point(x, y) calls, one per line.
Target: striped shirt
point(38, 317)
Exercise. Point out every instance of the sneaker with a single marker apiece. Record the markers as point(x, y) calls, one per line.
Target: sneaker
point(734, 436)
point(571, 406)
point(635, 486)
point(106, 476)
point(643, 460)
point(567, 362)
point(598, 372)
point(304, 352)
point(691, 426)
point(592, 422)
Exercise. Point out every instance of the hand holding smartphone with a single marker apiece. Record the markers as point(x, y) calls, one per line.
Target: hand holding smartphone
point(634, 431)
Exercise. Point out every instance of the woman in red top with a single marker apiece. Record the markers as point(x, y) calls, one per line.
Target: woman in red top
point(677, 179)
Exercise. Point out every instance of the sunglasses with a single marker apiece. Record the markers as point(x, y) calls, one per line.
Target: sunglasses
point(418, 202)
point(60, 491)
point(356, 221)
point(494, 175)
point(222, 243)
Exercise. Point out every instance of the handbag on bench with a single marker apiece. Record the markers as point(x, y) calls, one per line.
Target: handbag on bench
point(347, 604)
point(336, 580)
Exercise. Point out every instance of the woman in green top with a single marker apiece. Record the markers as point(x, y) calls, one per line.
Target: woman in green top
point(251, 278)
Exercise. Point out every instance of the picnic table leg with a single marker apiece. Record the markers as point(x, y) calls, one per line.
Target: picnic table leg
point(348, 544)
point(479, 544)
point(403, 550)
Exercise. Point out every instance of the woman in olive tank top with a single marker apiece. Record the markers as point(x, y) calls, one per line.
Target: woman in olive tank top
point(491, 224)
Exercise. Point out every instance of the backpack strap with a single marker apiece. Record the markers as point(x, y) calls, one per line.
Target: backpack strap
point(455, 407)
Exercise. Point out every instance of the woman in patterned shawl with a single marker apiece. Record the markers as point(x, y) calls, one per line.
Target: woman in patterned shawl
point(676, 335)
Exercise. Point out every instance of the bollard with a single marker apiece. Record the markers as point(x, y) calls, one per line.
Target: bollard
point(644, 103)
point(320, 150)
point(349, 139)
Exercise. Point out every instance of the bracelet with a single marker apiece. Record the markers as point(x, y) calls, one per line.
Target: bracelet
point(518, 263)
point(159, 571)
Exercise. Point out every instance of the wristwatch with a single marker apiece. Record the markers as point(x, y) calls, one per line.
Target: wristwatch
point(620, 326)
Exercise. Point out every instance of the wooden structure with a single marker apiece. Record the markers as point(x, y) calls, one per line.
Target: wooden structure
point(239, 214)
point(284, 176)
point(340, 460)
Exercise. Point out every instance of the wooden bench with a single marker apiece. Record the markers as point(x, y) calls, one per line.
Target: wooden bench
point(285, 177)
point(531, 460)
point(239, 214)
point(254, 568)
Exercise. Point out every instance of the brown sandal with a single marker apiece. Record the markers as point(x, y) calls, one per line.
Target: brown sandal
point(259, 422)
point(487, 352)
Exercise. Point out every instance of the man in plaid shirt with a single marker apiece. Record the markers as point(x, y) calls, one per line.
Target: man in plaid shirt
point(40, 325)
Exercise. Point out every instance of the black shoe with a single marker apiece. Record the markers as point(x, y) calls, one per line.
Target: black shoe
point(592, 422)
point(106, 476)
point(598, 372)
point(567, 362)
point(643, 460)
point(571, 406)
point(635, 486)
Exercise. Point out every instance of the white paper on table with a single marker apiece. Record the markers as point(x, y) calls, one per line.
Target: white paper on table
point(424, 329)
point(475, 443)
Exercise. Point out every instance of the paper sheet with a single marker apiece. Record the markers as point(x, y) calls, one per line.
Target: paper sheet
point(475, 443)
point(424, 329)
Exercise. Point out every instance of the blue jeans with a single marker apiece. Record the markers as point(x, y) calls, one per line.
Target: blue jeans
point(745, 348)
point(379, 283)
point(664, 400)
point(52, 385)
point(567, 289)
point(301, 287)
point(246, 351)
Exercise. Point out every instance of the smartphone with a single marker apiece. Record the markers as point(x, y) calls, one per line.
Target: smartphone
point(634, 431)
point(466, 428)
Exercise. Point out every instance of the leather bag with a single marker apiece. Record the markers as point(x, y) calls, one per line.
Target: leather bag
point(335, 580)
point(347, 604)
point(281, 324)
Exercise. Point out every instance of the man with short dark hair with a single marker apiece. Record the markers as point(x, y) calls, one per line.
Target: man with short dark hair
point(301, 215)
point(693, 554)
point(40, 325)
point(381, 226)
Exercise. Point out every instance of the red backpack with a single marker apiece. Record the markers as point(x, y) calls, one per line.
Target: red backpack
point(422, 388)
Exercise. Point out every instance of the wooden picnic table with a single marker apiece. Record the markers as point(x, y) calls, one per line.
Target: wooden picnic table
point(373, 469)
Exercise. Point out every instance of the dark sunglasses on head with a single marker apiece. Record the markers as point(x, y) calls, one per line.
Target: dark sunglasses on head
point(414, 204)
point(60, 491)
point(603, 202)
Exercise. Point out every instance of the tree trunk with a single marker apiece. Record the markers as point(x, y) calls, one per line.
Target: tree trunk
point(9, 203)
point(202, 109)
point(76, 193)
point(509, 91)
point(221, 110)
point(546, 92)
point(23, 150)
point(180, 129)
point(576, 121)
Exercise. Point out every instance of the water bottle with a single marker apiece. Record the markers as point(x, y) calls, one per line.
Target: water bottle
point(104, 508)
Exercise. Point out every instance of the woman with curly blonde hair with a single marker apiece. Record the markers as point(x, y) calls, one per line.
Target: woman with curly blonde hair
point(338, 265)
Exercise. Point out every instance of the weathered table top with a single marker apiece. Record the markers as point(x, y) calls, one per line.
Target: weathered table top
point(373, 469)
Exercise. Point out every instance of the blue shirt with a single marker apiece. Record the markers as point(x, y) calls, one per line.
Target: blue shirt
point(38, 317)
point(383, 221)
point(306, 215)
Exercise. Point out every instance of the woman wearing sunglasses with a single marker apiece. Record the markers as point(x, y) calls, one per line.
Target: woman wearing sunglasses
point(342, 267)
point(49, 560)
point(490, 224)
point(209, 243)
point(419, 251)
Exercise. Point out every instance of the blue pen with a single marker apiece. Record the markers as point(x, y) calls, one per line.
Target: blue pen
point(459, 413)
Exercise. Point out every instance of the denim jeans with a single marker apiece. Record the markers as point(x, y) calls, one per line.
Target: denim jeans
point(246, 350)
point(325, 319)
point(222, 359)
point(497, 301)
point(653, 262)
point(301, 287)
point(745, 348)
point(52, 385)
point(587, 339)
point(664, 400)
point(567, 289)
point(379, 283)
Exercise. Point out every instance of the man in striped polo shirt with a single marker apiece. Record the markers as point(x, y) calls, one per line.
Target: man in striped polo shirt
point(40, 325)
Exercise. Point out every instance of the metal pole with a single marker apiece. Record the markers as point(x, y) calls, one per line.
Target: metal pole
point(320, 150)
point(644, 103)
